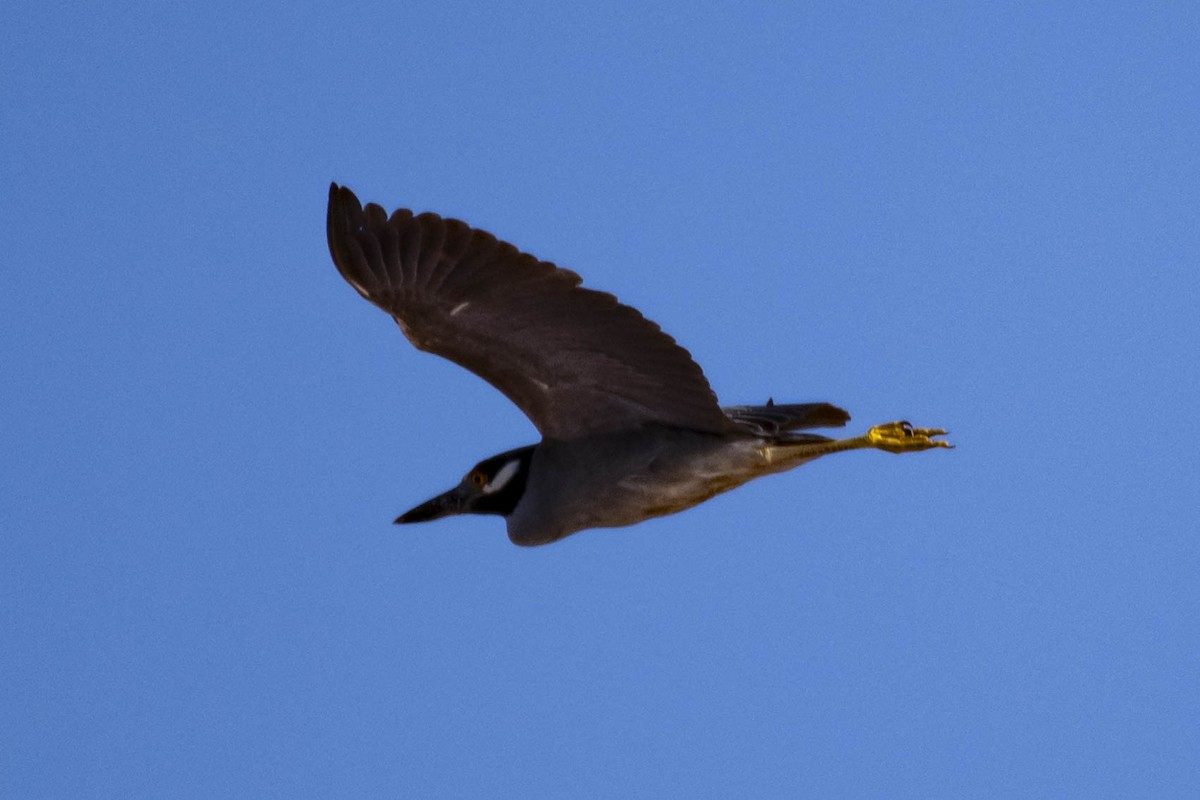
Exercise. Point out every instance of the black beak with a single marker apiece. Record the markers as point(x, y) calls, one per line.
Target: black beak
point(452, 502)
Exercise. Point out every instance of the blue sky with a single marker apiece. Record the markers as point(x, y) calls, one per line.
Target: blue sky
point(978, 218)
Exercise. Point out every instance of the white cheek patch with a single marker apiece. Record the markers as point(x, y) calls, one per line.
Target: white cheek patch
point(502, 477)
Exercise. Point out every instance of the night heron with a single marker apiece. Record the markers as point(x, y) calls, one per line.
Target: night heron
point(630, 427)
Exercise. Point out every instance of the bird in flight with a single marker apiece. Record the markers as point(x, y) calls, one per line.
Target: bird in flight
point(630, 427)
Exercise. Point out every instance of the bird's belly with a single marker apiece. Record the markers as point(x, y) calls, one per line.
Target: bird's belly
point(623, 481)
point(642, 497)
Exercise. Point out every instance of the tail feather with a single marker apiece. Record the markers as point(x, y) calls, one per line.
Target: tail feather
point(772, 419)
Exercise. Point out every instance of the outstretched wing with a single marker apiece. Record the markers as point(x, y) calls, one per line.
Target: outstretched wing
point(576, 361)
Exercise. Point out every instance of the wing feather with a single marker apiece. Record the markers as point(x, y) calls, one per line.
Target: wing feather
point(576, 361)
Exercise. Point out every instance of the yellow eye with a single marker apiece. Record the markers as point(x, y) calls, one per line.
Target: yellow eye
point(478, 478)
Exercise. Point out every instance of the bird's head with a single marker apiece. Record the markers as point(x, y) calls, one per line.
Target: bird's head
point(493, 486)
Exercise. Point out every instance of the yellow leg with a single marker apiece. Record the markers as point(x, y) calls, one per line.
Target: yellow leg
point(894, 437)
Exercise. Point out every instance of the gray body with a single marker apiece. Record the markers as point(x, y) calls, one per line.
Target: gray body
point(619, 479)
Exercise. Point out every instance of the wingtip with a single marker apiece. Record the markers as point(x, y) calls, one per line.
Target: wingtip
point(340, 196)
point(343, 208)
point(340, 219)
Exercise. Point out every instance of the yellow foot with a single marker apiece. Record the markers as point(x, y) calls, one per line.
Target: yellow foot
point(902, 437)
